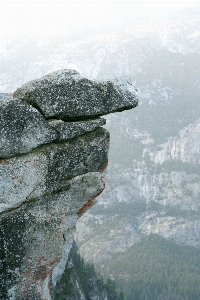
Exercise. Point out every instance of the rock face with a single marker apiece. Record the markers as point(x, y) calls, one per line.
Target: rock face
point(22, 128)
point(184, 147)
point(48, 169)
point(166, 183)
point(50, 174)
point(66, 95)
point(69, 130)
point(38, 234)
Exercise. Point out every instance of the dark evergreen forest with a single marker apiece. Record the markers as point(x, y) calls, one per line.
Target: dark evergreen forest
point(90, 283)
point(157, 269)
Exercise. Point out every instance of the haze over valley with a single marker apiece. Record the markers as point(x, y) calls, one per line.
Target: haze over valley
point(144, 232)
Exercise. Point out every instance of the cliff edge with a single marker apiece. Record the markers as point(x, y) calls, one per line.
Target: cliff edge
point(52, 153)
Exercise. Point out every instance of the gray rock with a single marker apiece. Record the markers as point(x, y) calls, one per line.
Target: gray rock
point(49, 168)
point(5, 97)
point(45, 191)
point(66, 95)
point(22, 128)
point(70, 130)
point(39, 234)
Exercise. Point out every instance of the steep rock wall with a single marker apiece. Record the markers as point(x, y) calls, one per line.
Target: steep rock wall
point(52, 153)
point(163, 186)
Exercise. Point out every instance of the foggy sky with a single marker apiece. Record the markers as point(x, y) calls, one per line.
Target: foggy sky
point(49, 18)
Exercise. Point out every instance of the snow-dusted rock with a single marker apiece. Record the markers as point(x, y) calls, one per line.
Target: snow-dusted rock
point(66, 95)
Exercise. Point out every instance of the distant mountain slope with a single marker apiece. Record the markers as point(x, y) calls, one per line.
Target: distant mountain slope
point(156, 269)
point(153, 177)
point(121, 53)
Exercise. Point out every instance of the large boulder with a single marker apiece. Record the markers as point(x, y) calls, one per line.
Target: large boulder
point(66, 95)
point(22, 127)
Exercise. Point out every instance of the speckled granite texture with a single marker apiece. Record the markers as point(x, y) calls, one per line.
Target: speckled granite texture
point(50, 174)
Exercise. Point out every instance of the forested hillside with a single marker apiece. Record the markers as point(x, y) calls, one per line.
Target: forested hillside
point(155, 268)
point(81, 281)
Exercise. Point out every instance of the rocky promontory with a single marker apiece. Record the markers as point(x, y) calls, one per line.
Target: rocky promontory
point(52, 153)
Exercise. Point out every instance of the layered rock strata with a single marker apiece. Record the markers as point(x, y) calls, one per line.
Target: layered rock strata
point(52, 153)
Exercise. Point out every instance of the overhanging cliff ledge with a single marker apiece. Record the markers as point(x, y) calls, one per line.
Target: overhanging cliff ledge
point(52, 153)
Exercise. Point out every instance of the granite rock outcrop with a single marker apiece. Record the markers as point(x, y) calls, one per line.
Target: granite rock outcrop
point(22, 128)
point(52, 154)
point(66, 95)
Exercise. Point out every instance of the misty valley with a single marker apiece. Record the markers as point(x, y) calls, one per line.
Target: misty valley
point(141, 240)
